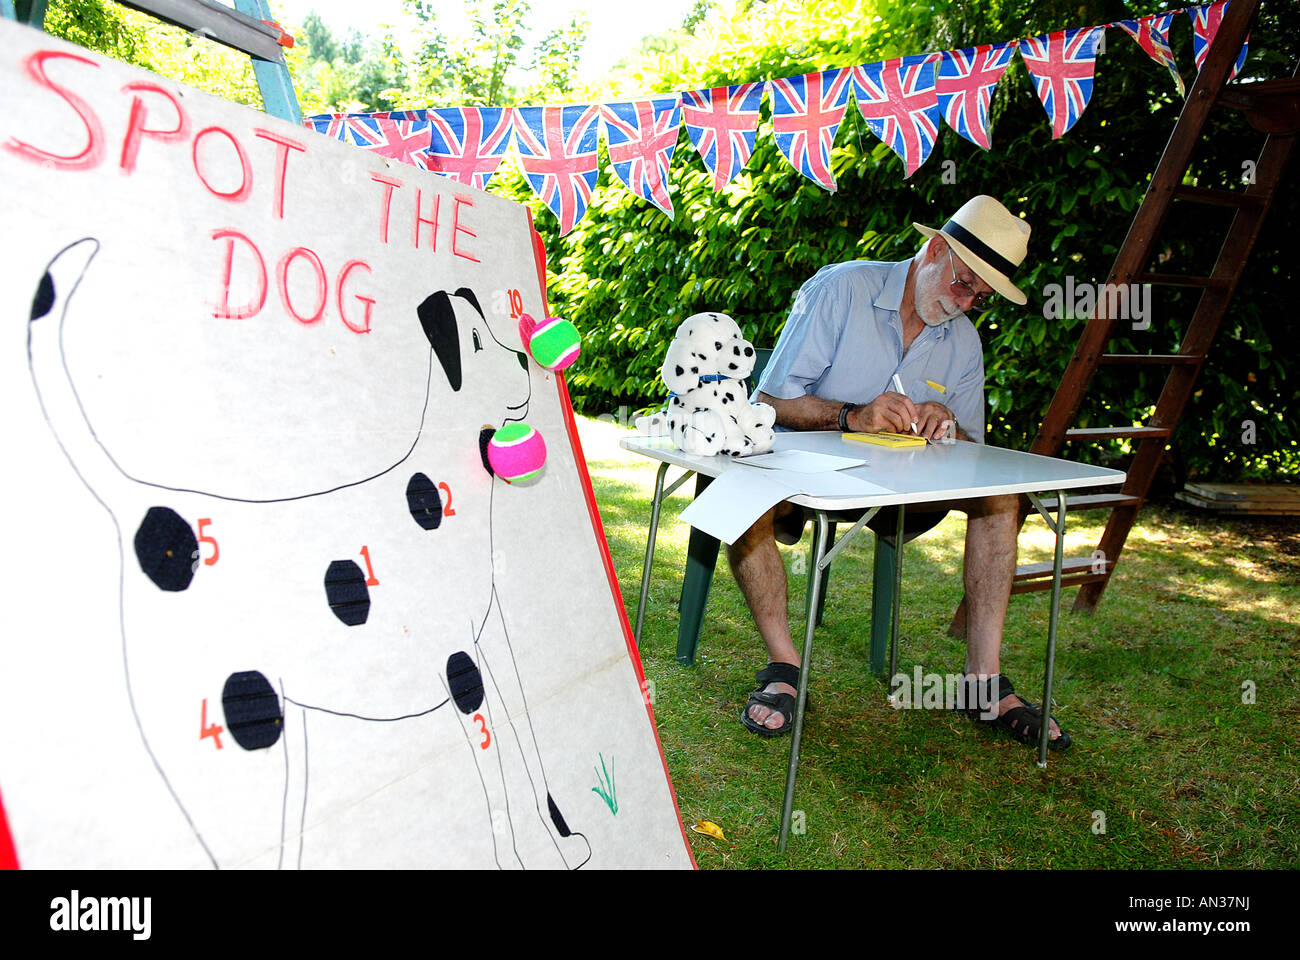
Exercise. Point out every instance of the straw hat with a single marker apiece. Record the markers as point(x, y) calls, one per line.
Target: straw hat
point(990, 239)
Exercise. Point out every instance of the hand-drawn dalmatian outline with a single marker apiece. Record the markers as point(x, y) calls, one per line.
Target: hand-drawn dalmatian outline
point(452, 342)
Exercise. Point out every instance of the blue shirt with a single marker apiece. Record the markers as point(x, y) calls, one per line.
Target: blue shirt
point(843, 341)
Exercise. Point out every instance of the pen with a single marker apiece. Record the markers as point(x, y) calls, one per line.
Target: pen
point(898, 386)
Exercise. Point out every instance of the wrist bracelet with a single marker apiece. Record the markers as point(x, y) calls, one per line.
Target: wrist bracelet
point(844, 417)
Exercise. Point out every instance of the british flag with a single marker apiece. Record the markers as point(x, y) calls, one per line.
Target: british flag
point(641, 137)
point(1205, 24)
point(965, 83)
point(1152, 35)
point(806, 113)
point(467, 143)
point(722, 123)
point(1062, 65)
point(897, 99)
point(557, 148)
point(402, 140)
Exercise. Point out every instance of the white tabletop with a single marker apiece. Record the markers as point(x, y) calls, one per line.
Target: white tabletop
point(933, 473)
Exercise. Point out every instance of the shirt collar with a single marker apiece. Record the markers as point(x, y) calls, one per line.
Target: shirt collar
point(891, 296)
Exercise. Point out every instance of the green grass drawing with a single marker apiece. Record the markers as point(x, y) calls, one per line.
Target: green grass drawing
point(605, 785)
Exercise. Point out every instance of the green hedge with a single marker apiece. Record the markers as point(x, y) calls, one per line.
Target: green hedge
point(627, 275)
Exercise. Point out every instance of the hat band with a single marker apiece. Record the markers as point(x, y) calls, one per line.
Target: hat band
point(979, 248)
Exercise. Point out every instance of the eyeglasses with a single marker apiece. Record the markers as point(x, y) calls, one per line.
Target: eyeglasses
point(979, 301)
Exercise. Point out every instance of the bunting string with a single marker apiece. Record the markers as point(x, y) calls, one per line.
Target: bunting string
point(904, 101)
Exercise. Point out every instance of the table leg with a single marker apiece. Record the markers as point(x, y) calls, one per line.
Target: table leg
point(898, 596)
point(1053, 620)
point(818, 571)
point(649, 551)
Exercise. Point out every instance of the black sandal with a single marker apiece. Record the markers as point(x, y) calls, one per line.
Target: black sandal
point(782, 703)
point(1023, 722)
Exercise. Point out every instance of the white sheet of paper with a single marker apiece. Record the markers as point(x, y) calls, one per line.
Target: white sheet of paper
point(735, 500)
point(842, 485)
point(803, 461)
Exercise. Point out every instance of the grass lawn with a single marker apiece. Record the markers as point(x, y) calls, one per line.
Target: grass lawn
point(1183, 773)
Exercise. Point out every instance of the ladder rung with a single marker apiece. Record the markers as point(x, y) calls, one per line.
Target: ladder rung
point(1070, 566)
point(1103, 433)
point(218, 22)
point(1074, 580)
point(1181, 280)
point(1151, 359)
point(1219, 198)
point(1091, 501)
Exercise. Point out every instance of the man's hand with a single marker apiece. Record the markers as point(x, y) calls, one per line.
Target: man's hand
point(891, 412)
point(933, 420)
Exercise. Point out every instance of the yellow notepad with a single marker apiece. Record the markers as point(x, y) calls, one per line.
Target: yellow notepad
point(887, 439)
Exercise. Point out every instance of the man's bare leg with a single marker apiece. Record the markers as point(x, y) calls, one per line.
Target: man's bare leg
point(989, 570)
point(757, 566)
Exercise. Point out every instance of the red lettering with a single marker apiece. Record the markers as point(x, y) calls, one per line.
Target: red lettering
point(283, 146)
point(457, 228)
point(253, 307)
point(136, 129)
point(368, 301)
point(246, 170)
point(388, 202)
point(433, 223)
point(322, 285)
point(93, 151)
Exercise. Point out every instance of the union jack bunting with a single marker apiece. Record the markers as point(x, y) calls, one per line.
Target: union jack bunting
point(897, 99)
point(806, 113)
point(557, 148)
point(467, 143)
point(1205, 24)
point(722, 123)
point(1062, 65)
point(1152, 35)
point(641, 137)
point(401, 140)
point(964, 84)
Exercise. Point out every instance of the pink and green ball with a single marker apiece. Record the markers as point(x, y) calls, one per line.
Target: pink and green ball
point(555, 343)
point(516, 452)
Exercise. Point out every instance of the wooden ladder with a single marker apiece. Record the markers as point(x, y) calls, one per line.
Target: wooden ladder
point(1273, 108)
point(248, 29)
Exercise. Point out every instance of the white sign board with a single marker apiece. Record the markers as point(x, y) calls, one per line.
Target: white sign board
point(266, 605)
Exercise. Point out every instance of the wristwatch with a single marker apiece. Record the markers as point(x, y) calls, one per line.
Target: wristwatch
point(844, 417)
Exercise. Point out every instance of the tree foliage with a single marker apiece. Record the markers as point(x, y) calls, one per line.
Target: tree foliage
point(627, 274)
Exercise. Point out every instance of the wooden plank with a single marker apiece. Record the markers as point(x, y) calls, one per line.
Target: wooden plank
point(1244, 491)
point(1240, 509)
point(216, 22)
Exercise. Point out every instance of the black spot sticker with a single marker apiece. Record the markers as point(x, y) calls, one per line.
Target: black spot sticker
point(465, 681)
point(253, 715)
point(44, 299)
point(347, 593)
point(556, 817)
point(167, 549)
point(423, 501)
point(484, 437)
point(439, 322)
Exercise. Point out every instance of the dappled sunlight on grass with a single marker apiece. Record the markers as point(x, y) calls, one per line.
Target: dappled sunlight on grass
point(1187, 772)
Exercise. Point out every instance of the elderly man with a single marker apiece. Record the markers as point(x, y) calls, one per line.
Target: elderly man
point(854, 326)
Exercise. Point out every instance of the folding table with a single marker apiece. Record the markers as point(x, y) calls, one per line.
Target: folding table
point(935, 473)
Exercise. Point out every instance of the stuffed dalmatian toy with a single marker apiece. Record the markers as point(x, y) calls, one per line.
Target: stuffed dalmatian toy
point(708, 409)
